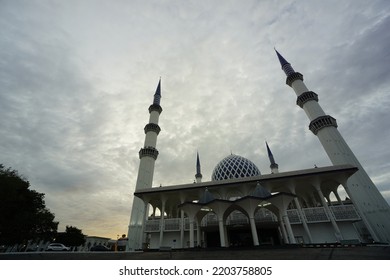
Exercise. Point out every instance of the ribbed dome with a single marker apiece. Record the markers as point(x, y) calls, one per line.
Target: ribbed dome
point(234, 166)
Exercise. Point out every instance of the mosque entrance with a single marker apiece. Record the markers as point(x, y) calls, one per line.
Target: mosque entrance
point(212, 239)
point(268, 234)
point(241, 236)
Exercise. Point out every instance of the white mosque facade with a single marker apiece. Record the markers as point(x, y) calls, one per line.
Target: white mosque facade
point(242, 207)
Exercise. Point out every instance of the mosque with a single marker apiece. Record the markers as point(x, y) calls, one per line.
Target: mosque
point(242, 207)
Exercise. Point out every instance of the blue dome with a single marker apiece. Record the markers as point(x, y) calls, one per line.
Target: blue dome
point(234, 166)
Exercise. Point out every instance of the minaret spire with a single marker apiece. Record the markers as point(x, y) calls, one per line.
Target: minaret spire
point(286, 66)
point(147, 155)
point(274, 166)
point(198, 175)
point(372, 207)
point(157, 95)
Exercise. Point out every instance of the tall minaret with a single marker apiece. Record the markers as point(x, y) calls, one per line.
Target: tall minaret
point(198, 175)
point(274, 166)
point(147, 155)
point(371, 205)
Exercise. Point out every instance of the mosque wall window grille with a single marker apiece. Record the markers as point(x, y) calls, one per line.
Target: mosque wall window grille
point(305, 97)
point(152, 226)
point(321, 122)
point(344, 212)
point(316, 214)
point(172, 224)
point(293, 216)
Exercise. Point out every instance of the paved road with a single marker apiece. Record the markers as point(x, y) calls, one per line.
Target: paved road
point(276, 253)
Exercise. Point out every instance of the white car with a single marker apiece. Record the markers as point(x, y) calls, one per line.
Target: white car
point(57, 247)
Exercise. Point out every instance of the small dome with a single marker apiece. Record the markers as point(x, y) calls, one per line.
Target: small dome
point(261, 192)
point(234, 166)
point(206, 197)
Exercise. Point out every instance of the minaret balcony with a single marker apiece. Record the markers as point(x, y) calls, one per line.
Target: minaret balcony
point(305, 97)
point(155, 107)
point(148, 152)
point(152, 127)
point(293, 77)
point(322, 122)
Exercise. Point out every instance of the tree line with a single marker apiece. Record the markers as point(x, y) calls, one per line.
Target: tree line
point(24, 216)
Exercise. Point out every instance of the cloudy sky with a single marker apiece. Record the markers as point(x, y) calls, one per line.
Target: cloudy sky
point(77, 78)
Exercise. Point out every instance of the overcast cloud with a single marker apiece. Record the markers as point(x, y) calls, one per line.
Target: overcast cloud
point(77, 78)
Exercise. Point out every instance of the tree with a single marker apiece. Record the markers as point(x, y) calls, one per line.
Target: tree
point(23, 213)
point(72, 237)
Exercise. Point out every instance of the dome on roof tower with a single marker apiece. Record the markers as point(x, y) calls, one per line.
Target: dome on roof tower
point(234, 166)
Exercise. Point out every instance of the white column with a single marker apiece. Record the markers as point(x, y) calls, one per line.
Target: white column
point(300, 212)
point(198, 233)
point(226, 236)
point(182, 229)
point(162, 222)
point(254, 231)
point(328, 200)
point(281, 225)
point(154, 212)
point(313, 199)
point(332, 220)
point(338, 197)
point(142, 235)
point(305, 226)
point(191, 220)
point(221, 232)
point(288, 227)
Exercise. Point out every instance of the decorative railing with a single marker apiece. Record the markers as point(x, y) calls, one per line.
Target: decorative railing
point(148, 152)
point(315, 215)
point(305, 97)
point(172, 224)
point(345, 212)
point(152, 225)
point(321, 122)
point(293, 216)
point(310, 215)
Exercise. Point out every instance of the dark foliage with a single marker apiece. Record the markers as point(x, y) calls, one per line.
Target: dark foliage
point(23, 213)
point(72, 237)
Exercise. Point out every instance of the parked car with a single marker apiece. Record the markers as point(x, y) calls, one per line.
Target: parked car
point(99, 248)
point(57, 247)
